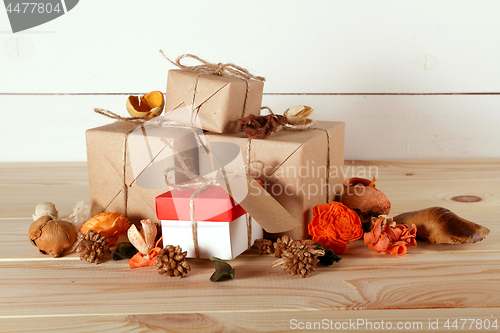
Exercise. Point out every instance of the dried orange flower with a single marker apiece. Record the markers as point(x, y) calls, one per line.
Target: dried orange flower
point(111, 225)
point(391, 239)
point(334, 226)
point(140, 260)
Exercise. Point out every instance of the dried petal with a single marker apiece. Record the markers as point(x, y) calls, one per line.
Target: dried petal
point(109, 224)
point(144, 239)
point(390, 239)
point(149, 105)
point(297, 115)
point(222, 270)
point(261, 127)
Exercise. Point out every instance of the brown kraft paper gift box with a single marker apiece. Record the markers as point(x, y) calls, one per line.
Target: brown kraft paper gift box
point(113, 186)
point(294, 167)
point(218, 100)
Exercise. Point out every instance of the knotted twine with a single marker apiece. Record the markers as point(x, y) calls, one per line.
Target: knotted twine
point(305, 127)
point(198, 183)
point(220, 69)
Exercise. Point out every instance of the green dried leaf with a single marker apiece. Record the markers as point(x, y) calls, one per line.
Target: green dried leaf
point(223, 271)
point(329, 258)
point(124, 250)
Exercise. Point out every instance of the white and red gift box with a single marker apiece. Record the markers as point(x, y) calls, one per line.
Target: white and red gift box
point(223, 226)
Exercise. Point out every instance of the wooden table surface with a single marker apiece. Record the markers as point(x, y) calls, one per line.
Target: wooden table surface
point(428, 286)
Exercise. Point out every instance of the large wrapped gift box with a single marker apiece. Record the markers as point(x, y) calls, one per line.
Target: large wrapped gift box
point(301, 169)
point(218, 101)
point(126, 164)
point(224, 229)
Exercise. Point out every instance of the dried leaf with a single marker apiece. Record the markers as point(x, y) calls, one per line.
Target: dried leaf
point(329, 258)
point(262, 126)
point(124, 250)
point(223, 270)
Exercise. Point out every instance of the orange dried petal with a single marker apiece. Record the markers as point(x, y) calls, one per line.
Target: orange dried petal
point(149, 105)
point(139, 105)
point(154, 99)
point(398, 249)
point(108, 224)
point(139, 261)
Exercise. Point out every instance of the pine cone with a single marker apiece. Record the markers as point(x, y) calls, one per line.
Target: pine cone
point(282, 244)
point(172, 261)
point(264, 246)
point(92, 246)
point(285, 242)
point(299, 259)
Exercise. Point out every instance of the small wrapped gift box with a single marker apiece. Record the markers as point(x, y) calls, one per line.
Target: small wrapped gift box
point(217, 100)
point(300, 169)
point(126, 163)
point(223, 228)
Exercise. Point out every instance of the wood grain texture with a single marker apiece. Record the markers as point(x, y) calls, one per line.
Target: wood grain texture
point(417, 320)
point(431, 282)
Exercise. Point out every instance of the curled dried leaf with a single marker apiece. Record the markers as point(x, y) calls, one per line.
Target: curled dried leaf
point(222, 270)
point(262, 126)
point(124, 250)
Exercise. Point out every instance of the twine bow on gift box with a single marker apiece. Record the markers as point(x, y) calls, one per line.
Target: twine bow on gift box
point(197, 182)
point(201, 184)
point(220, 69)
point(217, 69)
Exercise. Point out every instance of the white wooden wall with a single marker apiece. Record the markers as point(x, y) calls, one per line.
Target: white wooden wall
point(411, 79)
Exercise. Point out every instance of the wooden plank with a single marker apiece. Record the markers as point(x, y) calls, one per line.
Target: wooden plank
point(369, 281)
point(430, 283)
point(416, 320)
point(43, 173)
point(351, 47)
point(377, 127)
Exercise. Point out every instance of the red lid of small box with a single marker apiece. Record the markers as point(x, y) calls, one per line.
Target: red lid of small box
point(214, 204)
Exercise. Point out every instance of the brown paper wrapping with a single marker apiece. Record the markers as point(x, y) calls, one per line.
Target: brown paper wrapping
point(294, 171)
point(218, 100)
point(113, 187)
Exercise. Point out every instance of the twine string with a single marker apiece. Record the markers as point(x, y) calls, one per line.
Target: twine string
point(220, 69)
point(198, 183)
point(291, 127)
point(305, 127)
